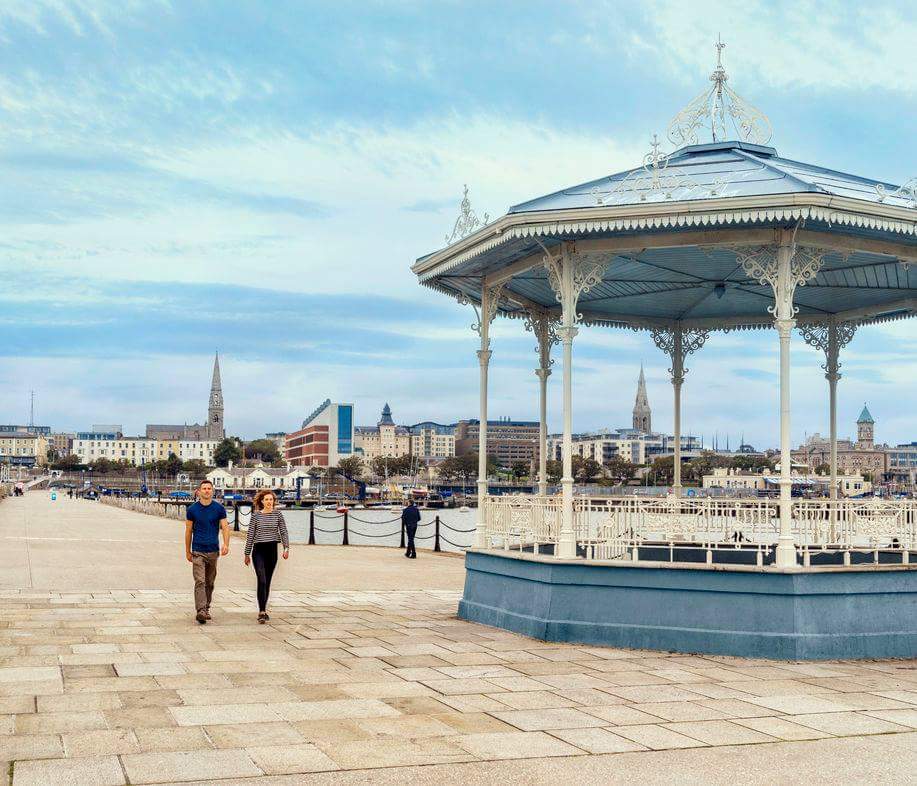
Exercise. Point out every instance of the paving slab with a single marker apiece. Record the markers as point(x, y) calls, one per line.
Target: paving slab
point(177, 766)
point(95, 770)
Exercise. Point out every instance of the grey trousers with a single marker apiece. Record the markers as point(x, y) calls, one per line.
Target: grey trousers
point(204, 569)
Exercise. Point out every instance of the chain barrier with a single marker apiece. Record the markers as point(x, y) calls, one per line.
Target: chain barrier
point(329, 531)
point(367, 535)
point(454, 545)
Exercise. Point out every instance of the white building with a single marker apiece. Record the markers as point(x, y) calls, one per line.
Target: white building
point(627, 444)
point(432, 441)
point(738, 480)
point(21, 448)
point(233, 478)
point(90, 446)
point(385, 439)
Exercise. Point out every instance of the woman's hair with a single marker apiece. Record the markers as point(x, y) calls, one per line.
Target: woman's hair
point(259, 498)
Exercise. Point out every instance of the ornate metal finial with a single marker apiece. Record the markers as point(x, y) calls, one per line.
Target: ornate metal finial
point(467, 222)
point(649, 182)
point(907, 193)
point(711, 109)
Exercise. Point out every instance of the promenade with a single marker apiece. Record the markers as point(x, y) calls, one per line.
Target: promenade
point(364, 675)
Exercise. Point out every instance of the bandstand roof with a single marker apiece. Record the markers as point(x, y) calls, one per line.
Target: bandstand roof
point(670, 229)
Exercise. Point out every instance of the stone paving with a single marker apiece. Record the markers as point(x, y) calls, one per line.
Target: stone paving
point(121, 686)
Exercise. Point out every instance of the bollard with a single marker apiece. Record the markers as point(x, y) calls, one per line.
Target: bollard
point(346, 541)
point(402, 535)
point(312, 527)
point(235, 523)
point(436, 541)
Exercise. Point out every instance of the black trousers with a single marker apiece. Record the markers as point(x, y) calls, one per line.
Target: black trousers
point(411, 530)
point(264, 558)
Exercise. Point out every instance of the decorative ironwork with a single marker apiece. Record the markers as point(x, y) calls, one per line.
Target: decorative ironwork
point(587, 271)
point(907, 192)
point(678, 343)
point(467, 222)
point(490, 296)
point(544, 325)
point(652, 179)
point(711, 109)
point(761, 263)
point(819, 335)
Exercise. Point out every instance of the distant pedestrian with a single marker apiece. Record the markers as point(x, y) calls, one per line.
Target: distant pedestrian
point(205, 519)
point(265, 530)
point(410, 518)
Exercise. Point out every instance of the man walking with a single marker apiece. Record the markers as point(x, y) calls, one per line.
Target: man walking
point(410, 517)
point(204, 521)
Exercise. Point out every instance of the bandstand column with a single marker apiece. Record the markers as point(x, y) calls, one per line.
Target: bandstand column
point(678, 342)
point(784, 268)
point(490, 298)
point(570, 275)
point(831, 337)
point(543, 325)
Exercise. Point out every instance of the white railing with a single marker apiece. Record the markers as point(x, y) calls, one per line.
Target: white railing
point(854, 525)
point(149, 506)
point(521, 520)
point(614, 528)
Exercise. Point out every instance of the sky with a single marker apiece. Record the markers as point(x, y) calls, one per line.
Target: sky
point(182, 176)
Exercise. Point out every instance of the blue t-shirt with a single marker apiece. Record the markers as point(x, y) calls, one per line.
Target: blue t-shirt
point(205, 532)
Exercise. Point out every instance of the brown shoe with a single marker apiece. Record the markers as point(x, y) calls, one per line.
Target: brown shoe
point(262, 618)
point(207, 615)
point(201, 618)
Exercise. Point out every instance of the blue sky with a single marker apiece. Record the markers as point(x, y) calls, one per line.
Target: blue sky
point(257, 177)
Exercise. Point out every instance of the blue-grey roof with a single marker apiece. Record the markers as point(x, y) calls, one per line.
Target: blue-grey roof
point(746, 189)
point(865, 417)
point(714, 171)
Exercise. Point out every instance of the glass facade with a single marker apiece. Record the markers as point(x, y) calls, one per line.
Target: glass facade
point(345, 429)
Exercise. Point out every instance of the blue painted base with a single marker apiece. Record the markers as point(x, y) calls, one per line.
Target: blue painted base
point(783, 615)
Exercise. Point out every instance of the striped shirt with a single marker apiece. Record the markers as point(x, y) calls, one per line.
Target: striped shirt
point(266, 528)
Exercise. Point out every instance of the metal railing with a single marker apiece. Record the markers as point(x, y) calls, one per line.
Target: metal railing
point(624, 528)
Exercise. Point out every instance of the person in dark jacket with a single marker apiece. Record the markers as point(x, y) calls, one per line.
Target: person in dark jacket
point(410, 517)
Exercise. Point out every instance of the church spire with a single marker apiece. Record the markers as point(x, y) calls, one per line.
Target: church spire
point(642, 413)
point(215, 427)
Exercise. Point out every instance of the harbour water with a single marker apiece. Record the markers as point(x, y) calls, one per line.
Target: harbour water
point(378, 527)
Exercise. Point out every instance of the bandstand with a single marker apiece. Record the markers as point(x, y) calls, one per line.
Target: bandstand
point(723, 234)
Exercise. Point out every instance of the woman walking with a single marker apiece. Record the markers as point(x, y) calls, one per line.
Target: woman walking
point(265, 530)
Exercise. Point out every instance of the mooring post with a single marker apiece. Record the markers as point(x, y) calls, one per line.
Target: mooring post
point(312, 527)
point(346, 541)
point(402, 534)
point(235, 521)
point(436, 541)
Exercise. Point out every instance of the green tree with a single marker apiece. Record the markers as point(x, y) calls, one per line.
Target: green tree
point(662, 471)
point(520, 469)
point(67, 463)
point(264, 450)
point(555, 470)
point(102, 466)
point(352, 466)
point(823, 469)
point(195, 468)
point(585, 470)
point(227, 450)
point(173, 464)
point(752, 463)
point(620, 469)
point(450, 469)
